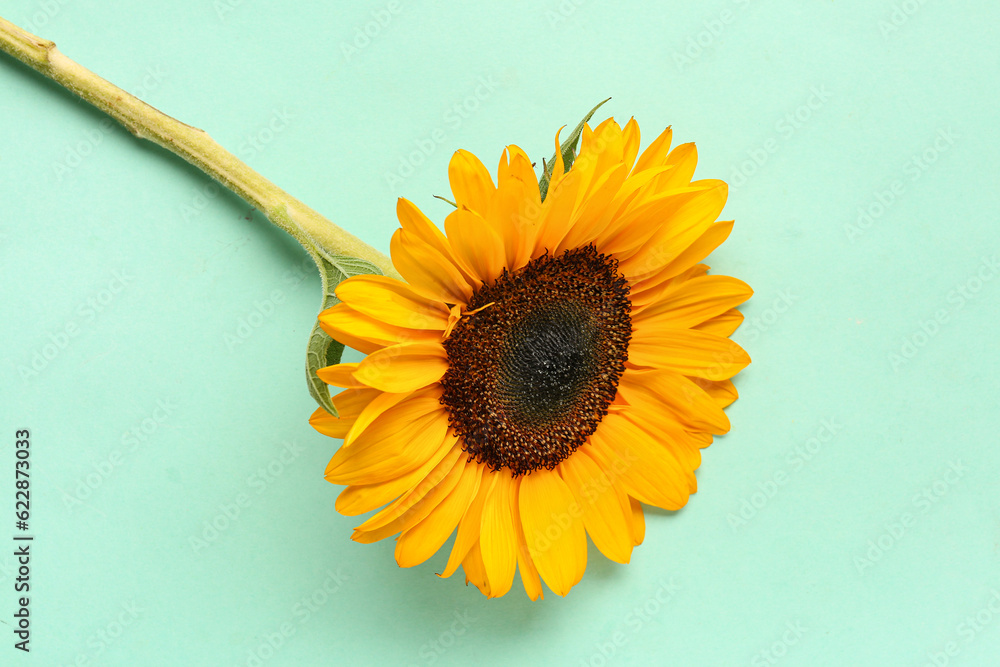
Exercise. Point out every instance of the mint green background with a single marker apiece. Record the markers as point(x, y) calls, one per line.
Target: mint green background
point(831, 308)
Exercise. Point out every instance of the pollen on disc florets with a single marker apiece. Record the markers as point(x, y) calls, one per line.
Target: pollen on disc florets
point(531, 376)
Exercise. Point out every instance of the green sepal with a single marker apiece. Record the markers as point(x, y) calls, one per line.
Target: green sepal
point(323, 350)
point(568, 150)
point(447, 200)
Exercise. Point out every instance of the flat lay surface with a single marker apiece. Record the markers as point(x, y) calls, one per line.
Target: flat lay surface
point(154, 329)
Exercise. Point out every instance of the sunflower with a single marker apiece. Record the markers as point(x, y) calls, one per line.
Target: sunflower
point(546, 367)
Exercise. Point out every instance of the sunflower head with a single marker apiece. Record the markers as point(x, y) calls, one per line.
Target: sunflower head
point(546, 367)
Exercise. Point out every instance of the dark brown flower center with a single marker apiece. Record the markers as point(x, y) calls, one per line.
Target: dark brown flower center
point(531, 376)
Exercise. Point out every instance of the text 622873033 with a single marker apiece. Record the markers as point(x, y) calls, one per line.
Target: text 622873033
point(22, 541)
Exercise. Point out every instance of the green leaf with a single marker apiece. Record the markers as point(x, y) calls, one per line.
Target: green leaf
point(322, 350)
point(568, 150)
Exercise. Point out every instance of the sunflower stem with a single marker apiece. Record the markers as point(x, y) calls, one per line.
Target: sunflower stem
point(308, 227)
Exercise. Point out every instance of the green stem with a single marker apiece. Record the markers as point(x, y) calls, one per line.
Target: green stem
point(194, 145)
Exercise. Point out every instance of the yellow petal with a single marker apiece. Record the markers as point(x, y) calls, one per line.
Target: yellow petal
point(343, 323)
point(350, 404)
point(590, 165)
point(360, 498)
point(630, 137)
point(477, 246)
point(671, 440)
point(643, 217)
point(651, 287)
point(393, 302)
point(722, 325)
point(601, 500)
point(516, 208)
point(559, 167)
point(422, 231)
point(644, 467)
point(675, 395)
point(340, 375)
point(638, 522)
point(637, 188)
point(556, 216)
point(654, 287)
point(593, 214)
point(529, 574)
point(372, 411)
point(475, 571)
point(701, 438)
point(470, 182)
point(468, 527)
point(413, 507)
point(354, 342)
point(601, 151)
point(682, 161)
point(403, 368)
point(656, 153)
point(554, 532)
point(699, 249)
point(497, 539)
point(516, 215)
point(722, 392)
point(422, 541)
point(693, 302)
point(684, 226)
point(402, 439)
point(687, 352)
point(518, 168)
point(606, 144)
point(428, 272)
